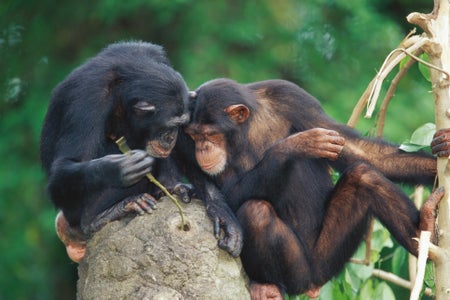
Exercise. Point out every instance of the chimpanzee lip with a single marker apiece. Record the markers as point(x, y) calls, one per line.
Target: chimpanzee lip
point(208, 166)
point(154, 150)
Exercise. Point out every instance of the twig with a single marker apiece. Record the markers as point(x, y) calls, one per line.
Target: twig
point(412, 260)
point(390, 94)
point(424, 244)
point(397, 280)
point(368, 241)
point(122, 143)
point(394, 58)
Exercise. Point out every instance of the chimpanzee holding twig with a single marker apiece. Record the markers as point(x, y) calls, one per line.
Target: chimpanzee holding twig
point(129, 89)
point(269, 147)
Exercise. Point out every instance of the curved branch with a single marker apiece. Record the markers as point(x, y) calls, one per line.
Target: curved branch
point(397, 280)
point(390, 94)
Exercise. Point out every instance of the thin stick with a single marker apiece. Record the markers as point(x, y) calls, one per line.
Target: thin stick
point(390, 94)
point(123, 147)
point(424, 244)
point(397, 280)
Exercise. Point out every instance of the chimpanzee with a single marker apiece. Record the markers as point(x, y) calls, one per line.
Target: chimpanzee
point(129, 89)
point(269, 147)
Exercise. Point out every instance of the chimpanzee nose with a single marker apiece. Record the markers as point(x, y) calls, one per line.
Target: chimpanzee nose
point(169, 137)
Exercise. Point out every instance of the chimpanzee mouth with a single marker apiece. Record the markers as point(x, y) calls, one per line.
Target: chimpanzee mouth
point(213, 169)
point(154, 149)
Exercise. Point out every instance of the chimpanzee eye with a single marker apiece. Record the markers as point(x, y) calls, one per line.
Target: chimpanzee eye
point(195, 137)
point(143, 108)
point(214, 137)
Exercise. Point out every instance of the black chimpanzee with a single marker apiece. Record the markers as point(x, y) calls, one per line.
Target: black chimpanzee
point(129, 89)
point(269, 147)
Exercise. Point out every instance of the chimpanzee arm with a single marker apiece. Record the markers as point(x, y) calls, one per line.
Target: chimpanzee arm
point(70, 180)
point(217, 206)
point(218, 209)
point(397, 165)
point(223, 219)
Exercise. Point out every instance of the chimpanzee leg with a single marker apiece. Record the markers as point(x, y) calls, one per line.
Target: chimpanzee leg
point(272, 253)
point(72, 237)
point(362, 191)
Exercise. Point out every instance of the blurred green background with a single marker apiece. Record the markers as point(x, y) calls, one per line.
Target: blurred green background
point(331, 48)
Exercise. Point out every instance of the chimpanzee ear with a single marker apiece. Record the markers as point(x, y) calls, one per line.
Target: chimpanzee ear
point(239, 113)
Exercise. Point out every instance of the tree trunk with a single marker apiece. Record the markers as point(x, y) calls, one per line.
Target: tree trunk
point(437, 29)
point(149, 257)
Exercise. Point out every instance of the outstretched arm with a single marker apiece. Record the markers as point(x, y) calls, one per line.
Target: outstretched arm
point(397, 165)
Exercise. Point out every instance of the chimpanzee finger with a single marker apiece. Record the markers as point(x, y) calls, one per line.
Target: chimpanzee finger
point(133, 206)
point(441, 132)
point(441, 136)
point(150, 200)
point(138, 162)
point(331, 155)
point(441, 149)
point(134, 173)
point(338, 140)
point(183, 191)
point(437, 140)
point(232, 243)
point(227, 245)
point(444, 153)
point(216, 224)
point(146, 203)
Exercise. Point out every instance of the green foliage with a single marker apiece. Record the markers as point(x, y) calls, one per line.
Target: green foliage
point(420, 139)
point(330, 47)
point(424, 70)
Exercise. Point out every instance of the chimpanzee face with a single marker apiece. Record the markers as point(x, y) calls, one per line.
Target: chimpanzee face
point(151, 105)
point(157, 125)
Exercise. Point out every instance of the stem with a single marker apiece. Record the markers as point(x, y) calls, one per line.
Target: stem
point(397, 280)
point(437, 29)
point(390, 94)
point(123, 147)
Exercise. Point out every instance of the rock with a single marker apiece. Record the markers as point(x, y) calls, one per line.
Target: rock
point(149, 257)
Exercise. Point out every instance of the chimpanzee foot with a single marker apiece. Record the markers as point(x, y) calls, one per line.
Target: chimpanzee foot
point(313, 292)
point(259, 291)
point(140, 204)
point(428, 211)
point(72, 237)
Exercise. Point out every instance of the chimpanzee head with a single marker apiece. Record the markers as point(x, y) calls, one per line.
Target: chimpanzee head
point(149, 98)
point(221, 109)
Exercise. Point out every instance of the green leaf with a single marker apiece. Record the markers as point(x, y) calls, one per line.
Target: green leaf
point(424, 70)
point(367, 291)
point(429, 275)
point(408, 147)
point(423, 135)
point(381, 237)
point(421, 138)
point(398, 260)
point(360, 273)
point(383, 291)
point(403, 62)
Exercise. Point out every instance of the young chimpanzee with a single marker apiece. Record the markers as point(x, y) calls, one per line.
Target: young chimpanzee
point(269, 147)
point(129, 89)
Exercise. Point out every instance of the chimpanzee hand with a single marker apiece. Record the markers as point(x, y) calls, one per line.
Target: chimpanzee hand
point(121, 169)
point(316, 142)
point(441, 143)
point(232, 236)
point(183, 191)
point(232, 241)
